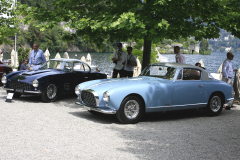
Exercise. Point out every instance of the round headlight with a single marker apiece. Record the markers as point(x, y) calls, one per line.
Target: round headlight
point(77, 90)
point(106, 96)
point(35, 83)
point(4, 80)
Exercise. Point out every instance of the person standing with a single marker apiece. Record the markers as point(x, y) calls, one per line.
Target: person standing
point(227, 72)
point(130, 63)
point(23, 65)
point(1, 55)
point(37, 58)
point(118, 58)
point(180, 58)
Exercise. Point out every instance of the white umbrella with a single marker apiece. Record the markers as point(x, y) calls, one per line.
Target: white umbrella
point(47, 54)
point(137, 69)
point(201, 62)
point(12, 58)
point(161, 58)
point(83, 59)
point(57, 55)
point(88, 59)
point(65, 55)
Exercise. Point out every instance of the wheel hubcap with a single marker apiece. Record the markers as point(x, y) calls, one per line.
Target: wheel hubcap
point(215, 104)
point(131, 109)
point(51, 91)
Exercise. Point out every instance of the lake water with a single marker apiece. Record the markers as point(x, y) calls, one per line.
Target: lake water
point(103, 62)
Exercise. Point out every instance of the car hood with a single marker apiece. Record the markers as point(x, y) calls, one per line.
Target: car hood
point(32, 75)
point(108, 84)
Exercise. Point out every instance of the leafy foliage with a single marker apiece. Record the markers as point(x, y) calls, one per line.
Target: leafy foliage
point(7, 20)
point(22, 54)
point(151, 20)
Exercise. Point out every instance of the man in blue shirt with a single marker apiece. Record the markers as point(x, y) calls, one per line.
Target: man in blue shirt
point(37, 58)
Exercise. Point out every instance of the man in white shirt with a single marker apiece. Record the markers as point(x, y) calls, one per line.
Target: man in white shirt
point(227, 72)
point(130, 63)
point(118, 58)
point(180, 58)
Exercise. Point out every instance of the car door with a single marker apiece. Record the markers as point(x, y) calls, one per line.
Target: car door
point(80, 72)
point(188, 89)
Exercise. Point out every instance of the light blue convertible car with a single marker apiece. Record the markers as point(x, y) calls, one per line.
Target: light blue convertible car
point(160, 87)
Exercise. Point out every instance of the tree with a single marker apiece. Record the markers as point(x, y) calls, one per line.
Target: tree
point(7, 20)
point(204, 44)
point(151, 20)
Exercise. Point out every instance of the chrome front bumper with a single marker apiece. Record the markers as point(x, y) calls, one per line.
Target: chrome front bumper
point(97, 109)
point(230, 99)
point(24, 91)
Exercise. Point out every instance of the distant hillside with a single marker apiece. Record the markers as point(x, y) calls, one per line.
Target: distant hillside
point(226, 42)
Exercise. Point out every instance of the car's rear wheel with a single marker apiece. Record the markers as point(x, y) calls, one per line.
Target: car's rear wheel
point(49, 94)
point(131, 110)
point(215, 105)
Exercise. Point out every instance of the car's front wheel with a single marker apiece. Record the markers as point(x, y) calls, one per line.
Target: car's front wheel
point(131, 110)
point(215, 105)
point(49, 94)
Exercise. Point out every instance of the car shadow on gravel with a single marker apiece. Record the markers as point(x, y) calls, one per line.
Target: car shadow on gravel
point(98, 118)
point(149, 117)
point(66, 100)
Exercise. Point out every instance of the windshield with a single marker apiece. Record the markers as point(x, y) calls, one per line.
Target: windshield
point(159, 71)
point(54, 64)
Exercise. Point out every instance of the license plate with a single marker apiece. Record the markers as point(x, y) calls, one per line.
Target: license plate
point(19, 90)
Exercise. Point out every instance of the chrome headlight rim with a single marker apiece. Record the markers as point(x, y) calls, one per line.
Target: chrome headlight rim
point(106, 96)
point(4, 80)
point(35, 83)
point(77, 90)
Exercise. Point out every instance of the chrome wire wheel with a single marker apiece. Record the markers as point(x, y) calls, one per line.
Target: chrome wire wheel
point(215, 103)
point(131, 109)
point(51, 91)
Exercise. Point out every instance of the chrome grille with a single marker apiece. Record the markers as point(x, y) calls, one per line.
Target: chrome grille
point(19, 85)
point(88, 98)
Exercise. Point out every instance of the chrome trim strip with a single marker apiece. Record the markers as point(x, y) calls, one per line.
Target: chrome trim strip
point(35, 92)
point(180, 105)
point(101, 110)
point(8, 89)
point(230, 99)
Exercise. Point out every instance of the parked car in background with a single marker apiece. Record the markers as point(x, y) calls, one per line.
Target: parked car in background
point(55, 77)
point(160, 87)
point(4, 69)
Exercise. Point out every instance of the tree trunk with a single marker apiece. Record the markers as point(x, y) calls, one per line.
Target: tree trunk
point(146, 52)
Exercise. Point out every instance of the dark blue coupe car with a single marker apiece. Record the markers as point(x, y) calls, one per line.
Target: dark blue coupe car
point(55, 77)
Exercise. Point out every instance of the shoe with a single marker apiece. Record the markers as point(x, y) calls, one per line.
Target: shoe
point(227, 108)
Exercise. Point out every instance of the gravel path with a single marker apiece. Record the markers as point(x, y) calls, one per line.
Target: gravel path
point(31, 129)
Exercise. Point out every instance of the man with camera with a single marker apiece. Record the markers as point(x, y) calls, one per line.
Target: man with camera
point(118, 58)
point(130, 62)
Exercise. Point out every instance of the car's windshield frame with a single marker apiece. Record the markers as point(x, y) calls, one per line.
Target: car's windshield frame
point(170, 74)
point(59, 65)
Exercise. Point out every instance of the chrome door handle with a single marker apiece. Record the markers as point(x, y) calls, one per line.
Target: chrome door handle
point(201, 86)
